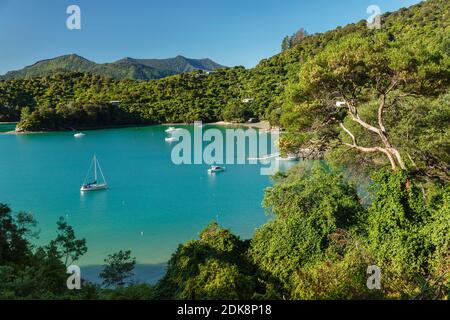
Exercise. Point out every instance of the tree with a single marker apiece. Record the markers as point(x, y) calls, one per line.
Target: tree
point(298, 37)
point(25, 271)
point(286, 43)
point(119, 267)
point(213, 267)
point(357, 70)
point(14, 246)
point(69, 248)
point(291, 41)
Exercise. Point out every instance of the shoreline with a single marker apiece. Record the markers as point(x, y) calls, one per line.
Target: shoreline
point(79, 129)
point(263, 125)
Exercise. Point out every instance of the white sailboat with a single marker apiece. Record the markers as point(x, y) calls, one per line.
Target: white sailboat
point(95, 184)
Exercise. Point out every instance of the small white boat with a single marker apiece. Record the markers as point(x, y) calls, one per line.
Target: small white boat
point(170, 139)
point(79, 135)
point(95, 184)
point(290, 157)
point(171, 129)
point(215, 169)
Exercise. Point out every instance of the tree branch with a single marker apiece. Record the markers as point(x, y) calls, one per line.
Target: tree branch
point(355, 117)
point(349, 133)
point(380, 113)
point(368, 149)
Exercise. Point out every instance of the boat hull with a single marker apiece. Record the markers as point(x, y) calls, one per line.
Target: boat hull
point(212, 171)
point(93, 187)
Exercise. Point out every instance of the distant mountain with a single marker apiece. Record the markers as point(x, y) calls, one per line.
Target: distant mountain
point(127, 68)
point(179, 64)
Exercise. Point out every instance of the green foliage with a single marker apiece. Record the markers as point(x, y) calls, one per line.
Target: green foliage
point(286, 43)
point(119, 266)
point(422, 127)
point(340, 275)
point(62, 102)
point(403, 233)
point(403, 66)
point(213, 267)
point(309, 207)
point(296, 39)
point(28, 273)
point(13, 232)
point(66, 245)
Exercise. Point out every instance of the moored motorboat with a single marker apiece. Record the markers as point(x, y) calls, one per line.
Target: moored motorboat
point(79, 135)
point(216, 169)
point(170, 139)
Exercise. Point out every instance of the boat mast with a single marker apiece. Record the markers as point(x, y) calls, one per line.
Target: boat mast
point(95, 169)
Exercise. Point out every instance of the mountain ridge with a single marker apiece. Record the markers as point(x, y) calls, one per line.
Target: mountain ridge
point(125, 68)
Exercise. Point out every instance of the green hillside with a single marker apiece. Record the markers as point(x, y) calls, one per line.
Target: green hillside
point(374, 104)
point(128, 68)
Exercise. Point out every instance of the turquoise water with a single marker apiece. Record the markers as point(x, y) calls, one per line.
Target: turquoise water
point(151, 206)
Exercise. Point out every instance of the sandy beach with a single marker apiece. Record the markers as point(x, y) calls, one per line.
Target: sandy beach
point(263, 125)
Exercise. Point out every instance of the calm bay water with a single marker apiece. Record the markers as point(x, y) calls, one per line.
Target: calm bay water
point(151, 206)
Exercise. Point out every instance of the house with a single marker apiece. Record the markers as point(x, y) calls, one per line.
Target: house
point(248, 100)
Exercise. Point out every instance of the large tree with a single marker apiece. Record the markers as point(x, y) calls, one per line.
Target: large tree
point(119, 267)
point(352, 74)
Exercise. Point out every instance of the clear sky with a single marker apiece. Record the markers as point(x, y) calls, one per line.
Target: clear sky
point(231, 32)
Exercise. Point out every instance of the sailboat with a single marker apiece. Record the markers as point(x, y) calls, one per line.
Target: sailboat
point(95, 184)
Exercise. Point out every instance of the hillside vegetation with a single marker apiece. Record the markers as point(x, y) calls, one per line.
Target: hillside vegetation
point(374, 103)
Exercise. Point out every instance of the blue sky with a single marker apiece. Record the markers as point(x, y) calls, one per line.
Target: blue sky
point(231, 32)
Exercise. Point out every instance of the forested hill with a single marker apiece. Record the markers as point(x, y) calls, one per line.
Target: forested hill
point(127, 68)
point(62, 100)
